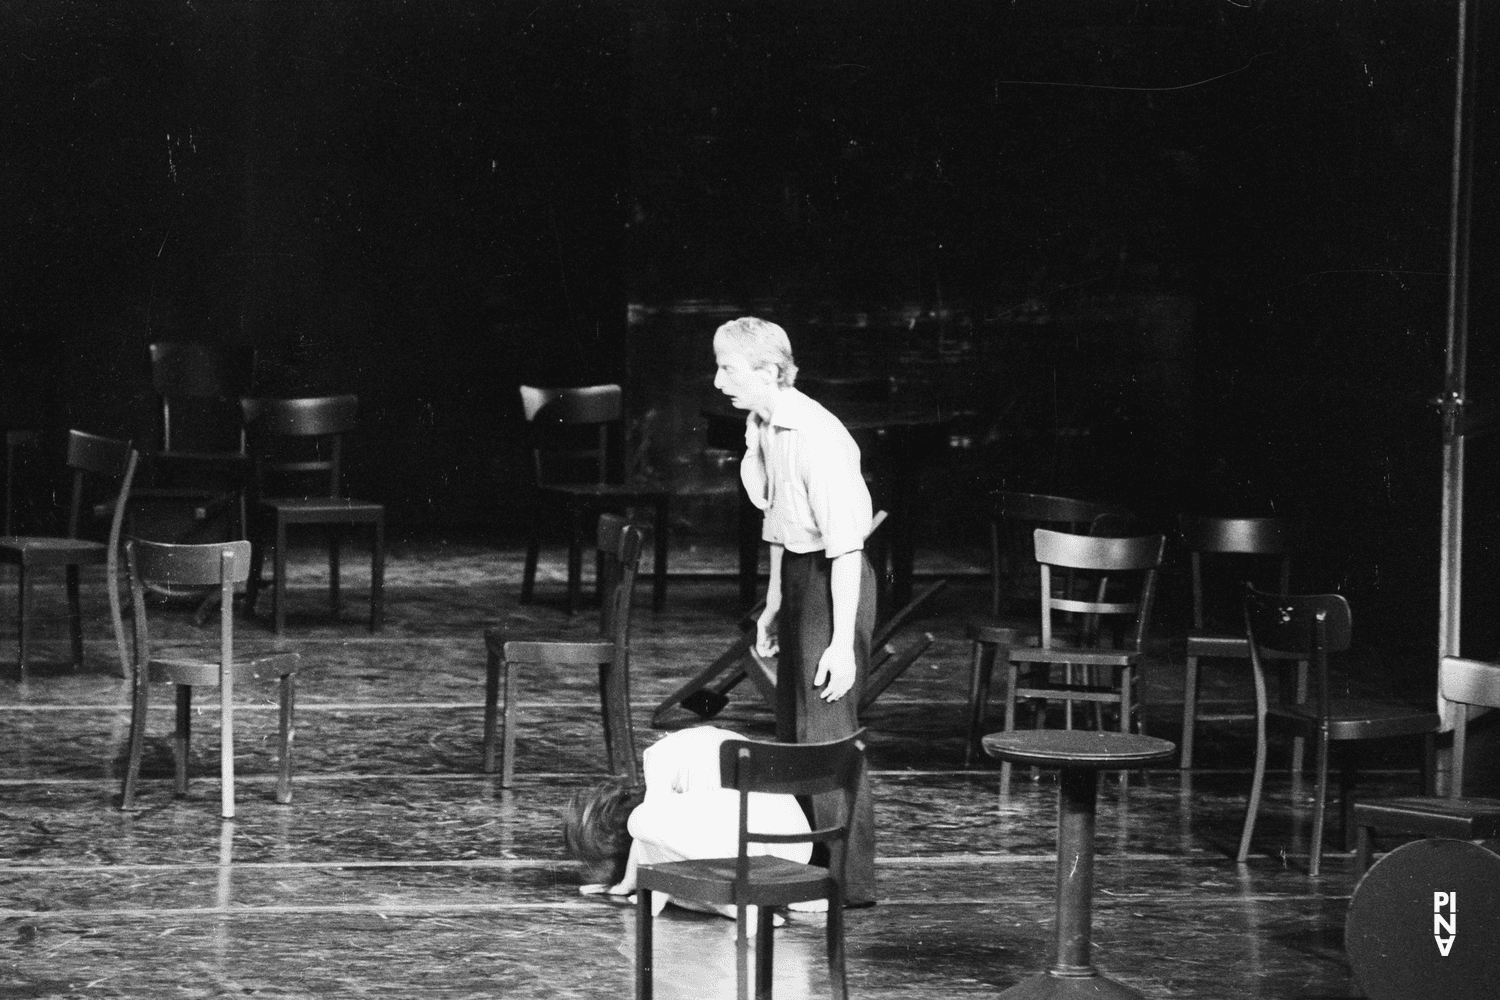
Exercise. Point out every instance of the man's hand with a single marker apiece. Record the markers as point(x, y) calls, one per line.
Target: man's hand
point(766, 643)
point(837, 669)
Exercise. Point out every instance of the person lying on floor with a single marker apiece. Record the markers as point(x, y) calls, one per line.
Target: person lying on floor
point(682, 813)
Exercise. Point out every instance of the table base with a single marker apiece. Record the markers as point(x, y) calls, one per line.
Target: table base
point(1050, 987)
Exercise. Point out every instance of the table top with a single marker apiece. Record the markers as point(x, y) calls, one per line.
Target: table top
point(1077, 748)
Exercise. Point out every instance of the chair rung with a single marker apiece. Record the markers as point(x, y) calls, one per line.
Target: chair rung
point(1069, 692)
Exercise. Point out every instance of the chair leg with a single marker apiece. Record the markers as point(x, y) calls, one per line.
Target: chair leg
point(333, 571)
point(288, 705)
point(1127, 698)
point(1257, 785)
point(610, 718)
point(257, 567)
point(278, 585)
point(980, 673)
point(1012, 678)
point(575, 560)
point(23, 590)
point(1320, 803)
point(140, 707)
point(491, 703)
point(742, 954)
point(1363, 849)
point(1348, 776)
point(528, 573)
point(508, 746)
point(659, 580)
point(181, 736)
point(837, 977)
point(1189, 713)
point(764, 963)
point(377, 575)
point(1299, 743)
point(643, 944)
point(75, 616)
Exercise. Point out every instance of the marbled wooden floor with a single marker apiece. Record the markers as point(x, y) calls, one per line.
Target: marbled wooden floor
point(401, 870)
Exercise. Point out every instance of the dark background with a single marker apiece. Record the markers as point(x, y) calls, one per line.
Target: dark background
point(1180, 255)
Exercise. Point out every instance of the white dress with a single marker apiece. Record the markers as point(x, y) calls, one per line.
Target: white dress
point(688, 815)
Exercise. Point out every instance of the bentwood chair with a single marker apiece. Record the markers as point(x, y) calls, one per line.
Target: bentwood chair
point(993, 637)
point(569, 432)
point(619, 548)
point(1310, 627)
point(302, 440)
point(764, 881)
point(165, 568)
point(1093, 672)
point(202, 460)
point(1244, 542)
point(88, 456)
point(1465, 683)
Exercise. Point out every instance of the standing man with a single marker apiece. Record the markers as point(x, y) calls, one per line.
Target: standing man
point(801, 468)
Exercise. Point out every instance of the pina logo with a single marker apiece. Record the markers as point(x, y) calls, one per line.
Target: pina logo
point(1444, 925)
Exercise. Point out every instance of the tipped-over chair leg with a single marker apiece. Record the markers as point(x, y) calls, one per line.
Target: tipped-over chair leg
point(288, 706)
point(643, 944)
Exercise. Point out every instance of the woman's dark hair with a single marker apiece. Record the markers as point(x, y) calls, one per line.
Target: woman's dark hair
point(594, 830)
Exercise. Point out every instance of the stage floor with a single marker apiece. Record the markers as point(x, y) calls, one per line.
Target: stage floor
point(401, 870)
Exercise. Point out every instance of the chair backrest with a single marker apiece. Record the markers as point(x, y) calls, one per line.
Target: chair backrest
point(1103, 557)
point(90, 454)
point(1234, 536)
point(161, 566)
point(323, 420)
point(620, 544)
point(1300, 627)
point(791, 769)
point(554, 418)
point(184, 371)
point(1466, 682)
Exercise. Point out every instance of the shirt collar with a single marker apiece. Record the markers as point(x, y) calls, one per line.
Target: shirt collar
point(792, 409)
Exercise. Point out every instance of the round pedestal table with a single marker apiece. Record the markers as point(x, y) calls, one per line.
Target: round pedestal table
point(1079, 756)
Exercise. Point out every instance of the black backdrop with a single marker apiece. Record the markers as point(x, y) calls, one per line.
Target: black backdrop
point(1234, 214)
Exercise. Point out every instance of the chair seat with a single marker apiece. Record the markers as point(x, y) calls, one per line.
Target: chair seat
point(205, 673)
point(323, 510)
point(1230, 645)
point(1074, 654)
point(1357, 720)
point(1463, 819)
point(44, 551)
point(774, 881)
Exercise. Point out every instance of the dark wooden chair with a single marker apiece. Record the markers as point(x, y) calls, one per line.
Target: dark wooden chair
point(993, 637)
point(157, 566)
point(1465, 683)
point(570, 433)
point(277, 427)
point(1244, 541)
point(1017, 514)
point(88, 455)
point(202, 461)
point(1310, 627)
point(764, 881)
point(619, 547)
point(1093, 672)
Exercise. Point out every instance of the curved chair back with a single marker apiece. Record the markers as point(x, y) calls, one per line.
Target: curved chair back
point(591, 404)
point(192, 371)
point(191, 565)
point(621, 544)
point(90, 454)
point(1100, 556)
point(1297, 626)
point(1059, 548)
point(308, 417)
point(1254, 536)
point(552, 413)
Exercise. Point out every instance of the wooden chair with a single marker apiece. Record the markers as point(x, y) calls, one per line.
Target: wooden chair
point(1011, 512)
point(764, 881)
point(1256, 539)
point(619, 547)
point(993, 637)
point(202, 434)
point(569, 431)
point(275, 425)
point(88, 455)
point(156, 566)
point(1465, 683)
point(1310, 627)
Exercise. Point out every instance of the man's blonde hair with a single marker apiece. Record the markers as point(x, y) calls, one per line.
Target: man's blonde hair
point(762, 343)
